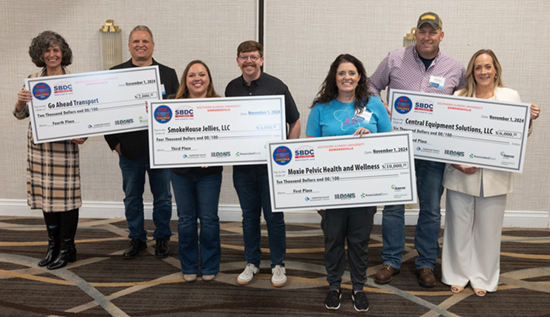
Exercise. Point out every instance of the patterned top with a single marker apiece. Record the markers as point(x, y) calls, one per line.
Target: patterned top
point(403, 69)
point(53, 171)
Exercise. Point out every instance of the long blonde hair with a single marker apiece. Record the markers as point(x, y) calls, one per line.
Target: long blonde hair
point(469, 90)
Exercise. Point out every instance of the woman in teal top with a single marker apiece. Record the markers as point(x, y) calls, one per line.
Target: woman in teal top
point(344, 106)
point(338, 118)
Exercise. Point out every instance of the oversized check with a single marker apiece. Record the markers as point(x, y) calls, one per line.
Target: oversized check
point(471, 131)
point(214, 131)
point(341, 172)
point(89, 104)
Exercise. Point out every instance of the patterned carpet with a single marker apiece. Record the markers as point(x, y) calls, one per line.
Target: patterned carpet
point(101, 283)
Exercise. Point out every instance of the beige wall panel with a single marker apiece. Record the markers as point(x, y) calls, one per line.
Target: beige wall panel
point(302, 38)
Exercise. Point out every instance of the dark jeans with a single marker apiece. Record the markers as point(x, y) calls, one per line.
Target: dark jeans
point(429, 176)
point(133, 184)
point(197, 197)
point(253, 192)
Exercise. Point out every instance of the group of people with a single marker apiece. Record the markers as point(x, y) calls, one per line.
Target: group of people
point(475, 201)
point(53, 174)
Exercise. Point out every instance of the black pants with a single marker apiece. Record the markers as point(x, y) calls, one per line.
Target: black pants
point(355, 224)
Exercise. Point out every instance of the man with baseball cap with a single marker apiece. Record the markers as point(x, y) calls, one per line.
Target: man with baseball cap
point(423, 67)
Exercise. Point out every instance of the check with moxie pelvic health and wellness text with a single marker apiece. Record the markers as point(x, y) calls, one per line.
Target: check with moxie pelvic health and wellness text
point(214, 131)
point(469, 131)
point(341, 172)
point(90, 104)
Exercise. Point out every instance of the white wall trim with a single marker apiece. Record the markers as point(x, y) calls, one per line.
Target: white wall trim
point(227, 212)
point(512, 218)
point(113, 209)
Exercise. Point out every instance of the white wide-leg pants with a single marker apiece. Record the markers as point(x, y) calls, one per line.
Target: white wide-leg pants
point(471, 240)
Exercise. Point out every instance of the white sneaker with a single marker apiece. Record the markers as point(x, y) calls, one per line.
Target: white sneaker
point(248, 274)
point(279, 278)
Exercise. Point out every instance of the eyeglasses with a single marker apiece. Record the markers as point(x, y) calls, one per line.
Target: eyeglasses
point(252, 58)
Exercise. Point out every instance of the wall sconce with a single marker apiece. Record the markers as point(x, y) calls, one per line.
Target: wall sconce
point(409, 40)
point(111, 45)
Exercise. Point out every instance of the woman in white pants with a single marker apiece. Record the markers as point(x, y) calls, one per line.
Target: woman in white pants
point(476, 198)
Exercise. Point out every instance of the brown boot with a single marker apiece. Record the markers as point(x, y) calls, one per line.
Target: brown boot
point(385, 275)
point(426, 277)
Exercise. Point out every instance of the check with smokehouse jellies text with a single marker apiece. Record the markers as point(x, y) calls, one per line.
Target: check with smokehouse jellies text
point(89, 104)
point(341, 172)
point(470, 131)
point(214, 131)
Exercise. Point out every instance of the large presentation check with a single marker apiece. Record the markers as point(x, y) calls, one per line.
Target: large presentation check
point(471, 131)
point(342, 172)
point(89, 104)
point(214, 131)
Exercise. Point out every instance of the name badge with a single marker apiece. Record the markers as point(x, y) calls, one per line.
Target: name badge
point(437, 82)
point(363, 116)
point(162, 89)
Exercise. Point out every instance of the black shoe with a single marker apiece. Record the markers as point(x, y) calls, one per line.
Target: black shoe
point(136, 246)
point(51, 254)
point(332, 301)
point(162, 250)
point(66, 255)
point(360, 301)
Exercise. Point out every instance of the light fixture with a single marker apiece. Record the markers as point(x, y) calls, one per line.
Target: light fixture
point(409, 40)
point(111, 44)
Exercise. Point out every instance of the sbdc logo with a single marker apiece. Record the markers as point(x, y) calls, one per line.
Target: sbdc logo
point(424, 105)
point(63, 88)
point(184, 113)
point(304, 152)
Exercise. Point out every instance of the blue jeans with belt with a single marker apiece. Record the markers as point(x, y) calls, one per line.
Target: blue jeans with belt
point(429, 176)
point(197, 197)
point(253, 192)
point(133, 184)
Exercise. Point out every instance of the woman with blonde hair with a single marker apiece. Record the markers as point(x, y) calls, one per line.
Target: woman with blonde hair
point(476, 197)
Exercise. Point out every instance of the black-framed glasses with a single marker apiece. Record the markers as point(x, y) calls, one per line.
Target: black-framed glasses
point(244, 58)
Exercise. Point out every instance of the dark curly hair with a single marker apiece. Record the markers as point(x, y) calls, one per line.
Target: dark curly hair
point(43, 41)
point(329, 89)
